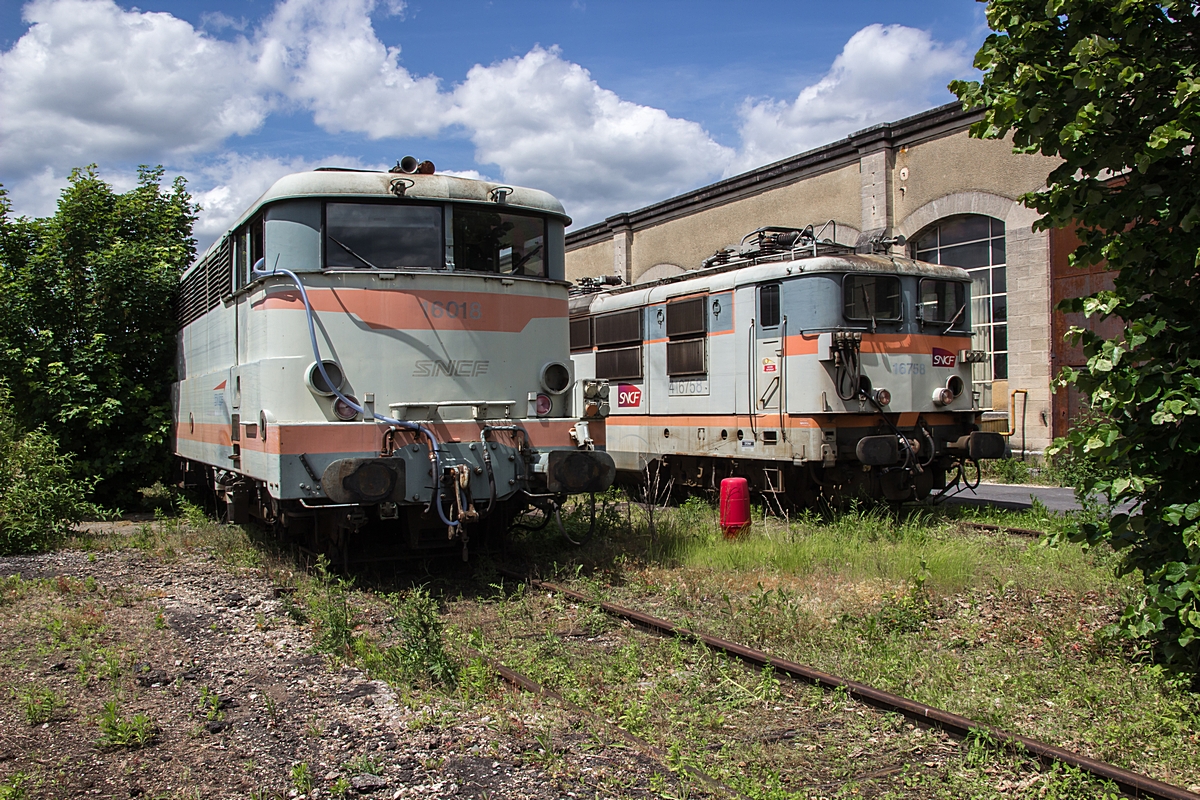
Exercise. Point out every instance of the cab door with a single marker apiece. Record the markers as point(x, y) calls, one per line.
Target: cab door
point(768, 351)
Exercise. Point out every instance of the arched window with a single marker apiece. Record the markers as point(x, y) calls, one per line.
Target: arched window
point(976, 243)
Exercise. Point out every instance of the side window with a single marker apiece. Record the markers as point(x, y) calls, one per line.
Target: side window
point(257, 250)
point(618, 339)
point(241, 257)
point(768, 305)
point(871, 298)
point(687, 333)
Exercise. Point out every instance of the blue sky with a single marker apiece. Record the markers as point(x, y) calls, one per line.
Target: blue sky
point(611, 106)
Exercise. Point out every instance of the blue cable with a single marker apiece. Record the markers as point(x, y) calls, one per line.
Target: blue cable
point(312, 335)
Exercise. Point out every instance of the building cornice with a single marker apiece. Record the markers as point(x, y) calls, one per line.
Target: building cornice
point(931, 124)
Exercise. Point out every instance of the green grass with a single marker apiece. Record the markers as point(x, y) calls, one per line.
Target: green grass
point(15, 788)
point(38, 702)
point(874, 545)
point(1005, 629)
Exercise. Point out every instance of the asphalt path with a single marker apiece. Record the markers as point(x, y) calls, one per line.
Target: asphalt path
point(1015, 498)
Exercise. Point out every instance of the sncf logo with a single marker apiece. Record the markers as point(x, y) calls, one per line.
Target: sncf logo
point(462, 369)
point(944, 358)
point(628, 396)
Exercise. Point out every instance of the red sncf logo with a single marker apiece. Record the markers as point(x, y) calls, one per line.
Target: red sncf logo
point(944, 358)
point(628, 396)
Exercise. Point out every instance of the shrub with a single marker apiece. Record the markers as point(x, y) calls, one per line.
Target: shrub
point(40, 500)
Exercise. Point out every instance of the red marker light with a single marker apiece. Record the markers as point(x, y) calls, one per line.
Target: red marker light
point(543, 405)
point(343, 410)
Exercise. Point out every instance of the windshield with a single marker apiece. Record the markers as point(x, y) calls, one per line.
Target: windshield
point(943, 302)
point(364, 235)
point(493, 241)
point(871, 298)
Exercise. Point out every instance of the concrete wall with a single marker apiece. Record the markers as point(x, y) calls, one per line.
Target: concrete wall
point(957, 163)
point(592, 261)
point(686, 241)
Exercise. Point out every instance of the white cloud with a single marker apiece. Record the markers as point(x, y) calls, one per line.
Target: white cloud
point(36, 195)
point(882, 74)
point(218, 20)
point(325, 56)
point(90, 81)
point(227, 185)
point(396, 8)
point(547, 123)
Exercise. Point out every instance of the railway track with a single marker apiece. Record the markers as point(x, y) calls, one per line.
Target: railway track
point(1131, 783)
point(984, 526)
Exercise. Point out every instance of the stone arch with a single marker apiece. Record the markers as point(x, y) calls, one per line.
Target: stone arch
point(1028, 295)
point(660, 271)
point(1009, 211)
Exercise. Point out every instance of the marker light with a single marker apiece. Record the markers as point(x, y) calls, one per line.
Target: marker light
point(882, 396)
point(543, 405)
point(343, 410)
point(943, 396)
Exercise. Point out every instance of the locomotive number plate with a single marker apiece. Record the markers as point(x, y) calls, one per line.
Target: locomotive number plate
point(908, 368)
point(688, 388)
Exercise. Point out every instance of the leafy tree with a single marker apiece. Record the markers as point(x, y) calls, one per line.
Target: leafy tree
point(1112, 88)
point(87, 324)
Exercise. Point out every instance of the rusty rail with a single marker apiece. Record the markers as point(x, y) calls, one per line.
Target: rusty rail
point(985, 526)
point(1132, 783)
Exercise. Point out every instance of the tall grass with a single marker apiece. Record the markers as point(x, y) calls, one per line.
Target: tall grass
point(870, 544)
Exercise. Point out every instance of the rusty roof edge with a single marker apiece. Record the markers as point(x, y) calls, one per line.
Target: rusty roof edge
point(908, 130)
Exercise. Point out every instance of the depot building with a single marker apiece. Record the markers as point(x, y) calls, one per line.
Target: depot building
point(954, 199)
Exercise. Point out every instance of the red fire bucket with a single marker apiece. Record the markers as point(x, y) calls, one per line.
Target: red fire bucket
point(735, 506)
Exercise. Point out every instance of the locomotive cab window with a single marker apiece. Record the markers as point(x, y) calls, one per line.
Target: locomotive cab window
point(383, 236)
point(943, 303)
point(768, 305)
point(491, 241)
point(871, 298)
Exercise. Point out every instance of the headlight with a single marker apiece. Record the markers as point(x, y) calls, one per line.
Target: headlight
point(593, 389)
point(972, 356)
point(942, 396)
point(343, 410)
point(556, 377)
point(316, 381)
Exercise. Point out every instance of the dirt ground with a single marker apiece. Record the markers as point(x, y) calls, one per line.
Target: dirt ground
point(234, 702)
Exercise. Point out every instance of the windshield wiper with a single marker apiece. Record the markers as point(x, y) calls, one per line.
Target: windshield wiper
point(520, 263)
point(351, 252)
point(870, 311)
point(954, 319)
